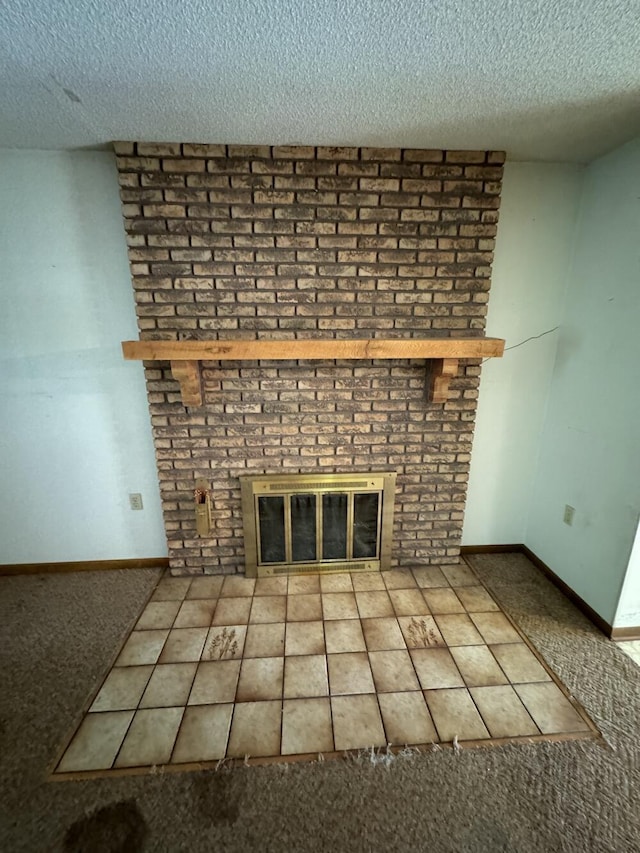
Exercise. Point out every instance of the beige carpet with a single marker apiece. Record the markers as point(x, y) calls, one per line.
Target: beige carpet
point(59, 634)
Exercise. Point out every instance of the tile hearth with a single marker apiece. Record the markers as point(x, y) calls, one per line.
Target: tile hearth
point(230, 667)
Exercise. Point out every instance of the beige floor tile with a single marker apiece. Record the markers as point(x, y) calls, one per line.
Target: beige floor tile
point(460, 575)
point(236, 586)
point(183, 644)
point(344, 635)
point(306, 726)
point(268, 608)
point(122, 689)
point(436, 669)
point(408, 602)
point(495, 628)
point(367, 581)
point(550, 708)
point(150, 737)
point(304, 608)
point(195, 614)
point(458, 630)
point(232, 611)
point(169, 685)
point(301, 584)
point(384, 633)
point(203, 734)
point(503, 712)
point(420, 632)
point(443, 600)
point(350, 672)
point(96, 742)
point(305, 676)
point(406, 718)
point(357, 723)
point(340, 582)
point(306, 638)
point(206, 587)
point(265, 640)
point(455, 715)
point(225, 642)
point(340, 605)
point(398, 579)
point(142, 647)
point(631, 648)
point(374, 604)
point(171, 589)
point(271, 586)
point(215, 682)
point(519, 663)
point(429, 576)
point(478, 666)
point(157, 615)
point(255, 729)
point(393, 671)
point(260, 679)
point(476, 599)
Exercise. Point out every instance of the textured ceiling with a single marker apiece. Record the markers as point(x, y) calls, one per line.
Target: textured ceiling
point(543, 79)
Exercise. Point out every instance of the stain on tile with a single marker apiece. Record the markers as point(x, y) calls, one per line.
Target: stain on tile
point(225, 642)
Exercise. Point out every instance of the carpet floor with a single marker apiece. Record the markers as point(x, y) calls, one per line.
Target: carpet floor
point(59, 635)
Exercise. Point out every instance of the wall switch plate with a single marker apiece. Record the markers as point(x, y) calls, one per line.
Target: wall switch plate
point(135, 500)
point(569, 512)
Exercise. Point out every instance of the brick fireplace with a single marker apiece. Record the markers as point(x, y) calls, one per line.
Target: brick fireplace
point(276, 243)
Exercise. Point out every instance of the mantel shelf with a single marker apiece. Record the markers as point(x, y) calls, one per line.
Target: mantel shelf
point(186, 356)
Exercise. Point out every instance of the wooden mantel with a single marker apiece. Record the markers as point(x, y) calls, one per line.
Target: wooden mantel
point(186, 356)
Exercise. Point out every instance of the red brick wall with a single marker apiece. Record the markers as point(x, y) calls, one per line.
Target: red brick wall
point(302, 242)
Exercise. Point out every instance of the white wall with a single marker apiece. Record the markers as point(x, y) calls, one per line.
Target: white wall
point(589, 450)
point(533, 253)
point(75, 437)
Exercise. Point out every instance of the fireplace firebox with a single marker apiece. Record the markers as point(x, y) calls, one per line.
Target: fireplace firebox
point(322, 523)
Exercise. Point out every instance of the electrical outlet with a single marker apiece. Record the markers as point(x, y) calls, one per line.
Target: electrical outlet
point(569, 512)
point(135, 500)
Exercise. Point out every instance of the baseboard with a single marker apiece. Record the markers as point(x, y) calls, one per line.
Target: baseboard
point(631, 632)
point(88, 566)
point(565, 589)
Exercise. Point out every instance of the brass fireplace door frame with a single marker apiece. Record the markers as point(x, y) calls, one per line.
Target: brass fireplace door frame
point(286, 485)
